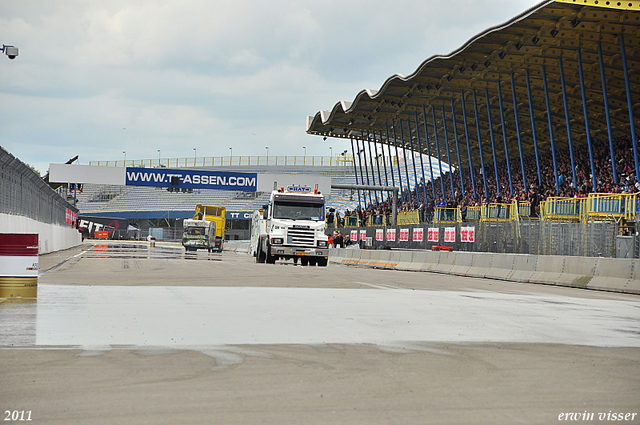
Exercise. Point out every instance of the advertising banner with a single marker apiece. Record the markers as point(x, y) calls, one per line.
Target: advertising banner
point(404, 235)
point(468, 234)
point(116, 228)
point(418, 233)
point(354, 235)
point(71, 217)
point(363, 235)
point(433, 234)
point(449, 234)
point(191, 179)
point(391, 235)
point(379, 234)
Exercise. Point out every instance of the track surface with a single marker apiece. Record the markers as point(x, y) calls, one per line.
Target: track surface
point(124, 333)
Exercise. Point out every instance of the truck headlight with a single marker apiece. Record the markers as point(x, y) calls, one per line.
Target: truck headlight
point(322, 244)
point(277, 241)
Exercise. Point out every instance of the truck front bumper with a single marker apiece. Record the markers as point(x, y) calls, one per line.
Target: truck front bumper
point(297, 251)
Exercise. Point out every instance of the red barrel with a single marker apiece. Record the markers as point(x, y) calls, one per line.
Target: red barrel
point(18, 265)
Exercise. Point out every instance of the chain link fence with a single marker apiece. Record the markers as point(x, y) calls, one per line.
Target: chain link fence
point(24, 193)
point(594, 239)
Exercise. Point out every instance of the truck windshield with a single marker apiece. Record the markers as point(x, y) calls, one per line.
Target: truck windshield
point(195, 231)
point(298, 211)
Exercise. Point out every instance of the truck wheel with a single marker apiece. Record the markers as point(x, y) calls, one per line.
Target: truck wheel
point(322, 262)
point(304, 261)
point(270, 258)
point(260, 255)
point(312, 261)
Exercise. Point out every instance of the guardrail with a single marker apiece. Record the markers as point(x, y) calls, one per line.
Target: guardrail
point(447, 215)
point(563, 209)
point(240, 160)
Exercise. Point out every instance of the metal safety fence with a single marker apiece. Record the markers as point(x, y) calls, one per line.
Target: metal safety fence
point(594, 239)
point(24, 193)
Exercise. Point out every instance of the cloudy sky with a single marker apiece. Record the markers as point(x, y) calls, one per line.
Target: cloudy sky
point(96, 78)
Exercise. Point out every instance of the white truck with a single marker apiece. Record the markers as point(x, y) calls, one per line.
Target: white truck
point(291, 226)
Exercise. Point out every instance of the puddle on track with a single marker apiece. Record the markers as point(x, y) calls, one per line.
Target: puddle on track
point(168, 316)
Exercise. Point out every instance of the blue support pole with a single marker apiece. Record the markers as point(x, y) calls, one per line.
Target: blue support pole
point(455, 135)
point(364, 195)
point(435, 132)
point(533, 127)
point(466, 132)
point(424, 180)
point(606, 111)
point(504, 137)
point(493, 146)
point(515, 112)
point(553, 148)
point(355, 169)
point(426, 138)
point(413, 160)
point(375, 149)
point(404, 154)
point(384, 161)
point(395, 142)
point(446, 139)
point(586, 122)
point(634, 136)
point(373, 178)
point(566, 116)
point(366, 168)
point(484, 172)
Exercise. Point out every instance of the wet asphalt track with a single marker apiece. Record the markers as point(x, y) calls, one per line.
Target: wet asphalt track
point(118, 299)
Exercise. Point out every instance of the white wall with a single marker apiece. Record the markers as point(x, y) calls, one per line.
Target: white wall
point(51, 237)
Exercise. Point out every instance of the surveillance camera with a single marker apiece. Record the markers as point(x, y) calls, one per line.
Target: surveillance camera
point(11, 52)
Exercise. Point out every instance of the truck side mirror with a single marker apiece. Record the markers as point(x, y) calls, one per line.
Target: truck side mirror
point(265, 212)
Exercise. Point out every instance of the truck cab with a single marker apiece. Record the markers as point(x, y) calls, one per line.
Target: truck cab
point(292, 227)
point(199, 234)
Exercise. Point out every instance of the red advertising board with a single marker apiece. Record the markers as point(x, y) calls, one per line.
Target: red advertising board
point(391, 235)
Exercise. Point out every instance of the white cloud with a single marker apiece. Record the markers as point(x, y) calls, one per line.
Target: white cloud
point(208, 74)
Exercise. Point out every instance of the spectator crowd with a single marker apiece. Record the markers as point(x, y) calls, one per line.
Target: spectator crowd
point(539, 186)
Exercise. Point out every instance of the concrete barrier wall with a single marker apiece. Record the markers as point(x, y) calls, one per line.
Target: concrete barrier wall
point(51, 237)
point(237, 246)
point(610, 274)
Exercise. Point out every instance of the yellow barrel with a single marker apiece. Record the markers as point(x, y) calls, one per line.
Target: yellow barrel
point(18, 265)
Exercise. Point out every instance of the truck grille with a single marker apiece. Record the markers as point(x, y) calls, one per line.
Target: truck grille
point(300, 237)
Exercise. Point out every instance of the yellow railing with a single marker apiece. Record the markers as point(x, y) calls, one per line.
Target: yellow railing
point(473, 214)
point(376, 220)
point(496, 212)
point(524, 209)
point(562, 209)
point(447, 215)
point(408, 217)
point(607, 206)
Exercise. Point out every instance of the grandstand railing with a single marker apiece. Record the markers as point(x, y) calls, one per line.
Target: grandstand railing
point(607, 206)
point(562, 209)
point(447, 215)
point(216, 161)
point(408, 217)
point(497, 212)
point(473, 214)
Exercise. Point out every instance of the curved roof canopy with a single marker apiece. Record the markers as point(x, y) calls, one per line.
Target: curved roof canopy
point(514, 58)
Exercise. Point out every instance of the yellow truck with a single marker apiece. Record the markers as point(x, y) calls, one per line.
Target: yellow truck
point(217, 215)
